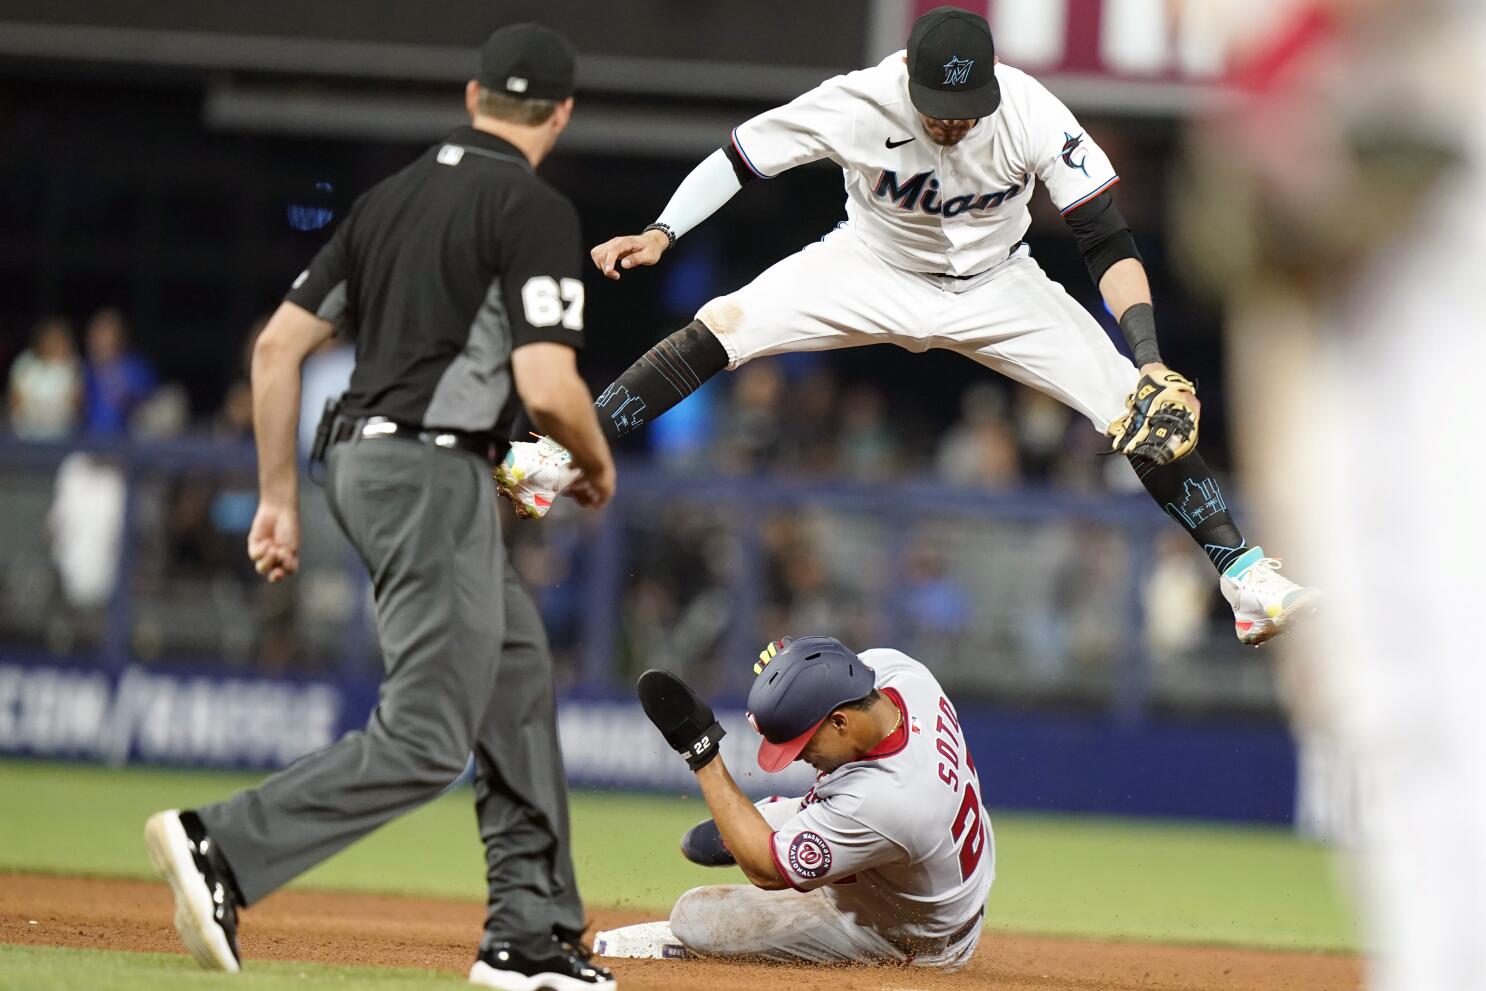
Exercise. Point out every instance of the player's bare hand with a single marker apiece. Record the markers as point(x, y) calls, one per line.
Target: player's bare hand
point(1156, 369)
point(629, 251)
point(594, 487)
point(273, 541)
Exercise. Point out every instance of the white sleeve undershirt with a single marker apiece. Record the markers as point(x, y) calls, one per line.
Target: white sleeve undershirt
point(707, 188)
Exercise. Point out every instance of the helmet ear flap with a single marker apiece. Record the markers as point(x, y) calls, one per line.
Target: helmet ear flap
point(771, 651)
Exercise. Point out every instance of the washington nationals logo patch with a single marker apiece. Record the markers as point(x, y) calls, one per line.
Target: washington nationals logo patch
point(809, 855)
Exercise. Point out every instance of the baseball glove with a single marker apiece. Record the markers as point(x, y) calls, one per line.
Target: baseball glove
point(1157, 424)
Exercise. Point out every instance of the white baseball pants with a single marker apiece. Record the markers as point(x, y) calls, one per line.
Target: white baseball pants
point(1013, 319)
point(739, 920)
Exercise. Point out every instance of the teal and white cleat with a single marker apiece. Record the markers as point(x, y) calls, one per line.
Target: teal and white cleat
point(1265, 603)
point(533, 474)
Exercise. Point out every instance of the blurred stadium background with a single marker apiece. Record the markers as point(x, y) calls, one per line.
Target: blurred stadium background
point(166, 168)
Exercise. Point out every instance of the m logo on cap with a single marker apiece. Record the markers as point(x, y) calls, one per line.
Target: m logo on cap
point(957, 70)
point(516, 84)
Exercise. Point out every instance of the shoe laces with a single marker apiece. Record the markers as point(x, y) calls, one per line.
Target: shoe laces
point(1265, 571)
point(549, 449)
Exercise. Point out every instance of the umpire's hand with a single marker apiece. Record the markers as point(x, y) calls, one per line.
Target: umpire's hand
point(273, 541)
point(595, 486)
point(629, 251)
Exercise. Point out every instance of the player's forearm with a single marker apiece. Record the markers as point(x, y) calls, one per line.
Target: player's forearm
point(1127, 293)
point(277, 355)
point(275, 425)
point(748, 836)
point(701, 194)
point(1124, 284)
point(565, 413)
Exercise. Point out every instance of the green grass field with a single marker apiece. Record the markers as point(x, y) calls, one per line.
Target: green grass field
point(1058, 875)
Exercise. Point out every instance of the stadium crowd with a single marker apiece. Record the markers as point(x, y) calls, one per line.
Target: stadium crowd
point(1045, 600)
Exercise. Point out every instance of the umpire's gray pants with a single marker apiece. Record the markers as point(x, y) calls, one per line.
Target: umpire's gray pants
point(467, 669)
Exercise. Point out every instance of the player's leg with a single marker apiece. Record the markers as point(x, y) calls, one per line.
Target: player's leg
point(1027, 327)
point(521, 798)
point(424, 521)
point(534, 917)
point(832, 294)
point(739, 920)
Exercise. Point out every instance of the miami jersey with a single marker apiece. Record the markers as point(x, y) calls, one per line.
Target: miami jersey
point(900, 836)
point(917, 205)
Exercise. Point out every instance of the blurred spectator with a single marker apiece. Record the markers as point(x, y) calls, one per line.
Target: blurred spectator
point(810, 443)
point(752, 428)
point(234, 421)
point(86, 522)
point(677, 601)
point(980, 450)
point(1041, 431)
point(1177, 594)
point(933, 603)
point(166, 413)
point(801, 595)
point(117, 380)
point(46, 384)
point(867, 446)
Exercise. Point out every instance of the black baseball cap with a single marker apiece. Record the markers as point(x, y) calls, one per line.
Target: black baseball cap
point(952, 65)
point(798, 688)
point(529, 62)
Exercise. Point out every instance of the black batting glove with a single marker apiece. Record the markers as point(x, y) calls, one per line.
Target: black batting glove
point(684, 720)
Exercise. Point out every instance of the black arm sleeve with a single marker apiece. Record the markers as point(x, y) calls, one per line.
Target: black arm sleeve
point(740, 168)
point(1103, 236)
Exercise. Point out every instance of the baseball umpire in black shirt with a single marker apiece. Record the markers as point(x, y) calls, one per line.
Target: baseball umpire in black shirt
point(458, 280)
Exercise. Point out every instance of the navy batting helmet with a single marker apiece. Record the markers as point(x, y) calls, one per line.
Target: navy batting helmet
point(798, 687)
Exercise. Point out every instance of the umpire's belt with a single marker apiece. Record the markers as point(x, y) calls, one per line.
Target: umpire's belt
point(380, 427)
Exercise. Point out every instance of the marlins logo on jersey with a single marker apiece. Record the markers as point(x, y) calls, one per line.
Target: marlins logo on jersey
point(1070, 145)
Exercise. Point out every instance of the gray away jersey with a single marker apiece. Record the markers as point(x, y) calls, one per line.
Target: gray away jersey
point(901, 835)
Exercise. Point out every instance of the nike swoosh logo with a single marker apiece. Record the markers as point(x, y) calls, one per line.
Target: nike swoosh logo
point(894, 144)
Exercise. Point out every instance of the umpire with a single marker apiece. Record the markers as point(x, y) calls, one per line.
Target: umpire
point(458, 280)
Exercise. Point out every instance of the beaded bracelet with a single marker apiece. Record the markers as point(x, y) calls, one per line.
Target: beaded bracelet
point(664, 229)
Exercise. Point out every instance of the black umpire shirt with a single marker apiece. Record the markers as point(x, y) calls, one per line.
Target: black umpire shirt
point(438, 272)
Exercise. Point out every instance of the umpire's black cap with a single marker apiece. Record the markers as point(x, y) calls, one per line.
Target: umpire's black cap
point(529, 62)
point(952, 65)
point(797, 689)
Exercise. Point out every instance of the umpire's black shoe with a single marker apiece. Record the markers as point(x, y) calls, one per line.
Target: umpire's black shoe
point(561, 965)
point(205, 894)
point(703, 845)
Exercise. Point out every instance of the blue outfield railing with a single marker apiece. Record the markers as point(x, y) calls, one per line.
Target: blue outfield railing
point(1123, 758)
point(745, 502)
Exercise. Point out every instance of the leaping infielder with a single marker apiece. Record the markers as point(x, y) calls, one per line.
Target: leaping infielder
point(940, 147)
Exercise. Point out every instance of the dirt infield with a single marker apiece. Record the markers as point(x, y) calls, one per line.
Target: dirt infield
point(43, 910)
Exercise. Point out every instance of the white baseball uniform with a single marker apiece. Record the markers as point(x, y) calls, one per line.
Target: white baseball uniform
point(890, 857)
point(931, 252)
point(1398, 651)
